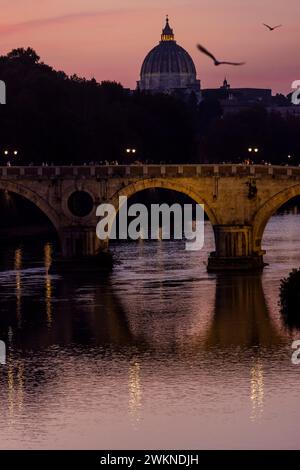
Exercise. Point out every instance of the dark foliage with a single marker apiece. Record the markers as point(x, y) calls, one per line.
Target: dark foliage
point(276, 137)
point(290, 299)
point(50, 117)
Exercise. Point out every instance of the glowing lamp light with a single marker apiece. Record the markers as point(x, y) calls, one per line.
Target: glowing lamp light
point(5, 152)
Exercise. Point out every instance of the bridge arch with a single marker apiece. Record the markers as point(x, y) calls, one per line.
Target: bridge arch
point(164, 183)
point(35, 198)
point(265, 212)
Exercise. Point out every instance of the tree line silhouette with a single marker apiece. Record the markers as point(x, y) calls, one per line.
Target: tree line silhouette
point(53, 118)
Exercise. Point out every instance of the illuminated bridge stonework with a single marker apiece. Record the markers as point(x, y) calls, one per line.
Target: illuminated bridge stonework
point(238, 199)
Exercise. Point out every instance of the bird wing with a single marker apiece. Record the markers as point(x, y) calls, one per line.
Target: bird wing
point(267, 26)
point(206, 52)
point(232, 63)
point(278, 26)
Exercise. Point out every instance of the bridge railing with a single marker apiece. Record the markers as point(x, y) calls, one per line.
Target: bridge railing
point(145, 171)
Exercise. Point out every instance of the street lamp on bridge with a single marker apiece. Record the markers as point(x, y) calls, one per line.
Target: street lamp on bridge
point(252, 151)
point(130, 150)
point(10, 153)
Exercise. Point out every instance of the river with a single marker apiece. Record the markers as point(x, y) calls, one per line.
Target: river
point(159, 354)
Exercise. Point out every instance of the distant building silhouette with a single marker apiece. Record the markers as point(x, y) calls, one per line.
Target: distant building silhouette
point(233, 100)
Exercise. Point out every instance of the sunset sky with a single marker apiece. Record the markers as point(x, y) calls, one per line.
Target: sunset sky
point(108, 39)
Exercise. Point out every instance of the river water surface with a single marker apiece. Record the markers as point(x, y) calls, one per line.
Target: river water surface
point(157, 355)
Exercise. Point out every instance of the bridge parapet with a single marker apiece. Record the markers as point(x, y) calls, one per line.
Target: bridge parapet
point(147, 171)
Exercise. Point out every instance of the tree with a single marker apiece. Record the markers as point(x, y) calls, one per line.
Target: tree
point(25, 55)
point(55, 118)
point(290, 299)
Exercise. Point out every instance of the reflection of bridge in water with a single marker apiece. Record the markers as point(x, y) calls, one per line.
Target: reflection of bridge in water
point(102, 322)
point(101, 315)
point(238, 199)
point(241, 315)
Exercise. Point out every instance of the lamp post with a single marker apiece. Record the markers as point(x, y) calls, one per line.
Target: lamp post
point(8, 152)
point(130, 152)
point(253, 150)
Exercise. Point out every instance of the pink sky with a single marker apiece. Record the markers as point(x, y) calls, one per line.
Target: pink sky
point(108, 39)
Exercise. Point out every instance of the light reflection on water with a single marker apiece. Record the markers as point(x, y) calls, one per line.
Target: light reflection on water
point(157, 355)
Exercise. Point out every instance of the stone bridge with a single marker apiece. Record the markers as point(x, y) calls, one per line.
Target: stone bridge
point(238, 200)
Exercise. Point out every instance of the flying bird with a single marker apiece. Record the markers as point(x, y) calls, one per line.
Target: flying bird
point(271, 28)
point(216, 62)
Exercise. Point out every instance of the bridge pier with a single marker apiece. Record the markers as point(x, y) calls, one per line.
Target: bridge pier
point(81, 251)
point(235, 250)
point(80, 241)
